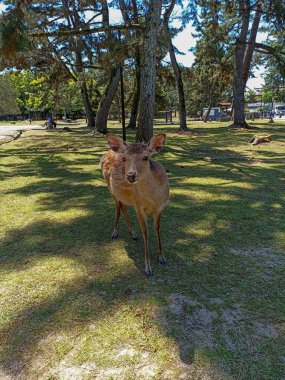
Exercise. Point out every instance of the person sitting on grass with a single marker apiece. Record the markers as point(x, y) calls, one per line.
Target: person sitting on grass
point(50, 123)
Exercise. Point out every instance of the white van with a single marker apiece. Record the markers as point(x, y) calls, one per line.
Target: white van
point(279, 109)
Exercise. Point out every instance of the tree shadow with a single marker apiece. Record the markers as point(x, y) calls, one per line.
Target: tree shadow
point(217, 295)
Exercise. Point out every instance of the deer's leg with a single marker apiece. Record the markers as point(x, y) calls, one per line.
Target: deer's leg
point(117, 217)
point(129, 223)
point(156, 223)
point(143, 223)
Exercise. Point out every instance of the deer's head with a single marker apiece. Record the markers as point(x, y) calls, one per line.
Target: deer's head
point(135, 157)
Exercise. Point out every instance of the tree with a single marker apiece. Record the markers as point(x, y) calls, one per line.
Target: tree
point(8, 96)
point(240, 21)
point(148, 72)
point(175, 66)
point(211, 74)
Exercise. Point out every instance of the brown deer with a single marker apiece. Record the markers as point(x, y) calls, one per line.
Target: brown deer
point(135, 180)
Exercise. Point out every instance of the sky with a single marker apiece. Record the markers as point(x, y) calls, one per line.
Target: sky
point(184, 41)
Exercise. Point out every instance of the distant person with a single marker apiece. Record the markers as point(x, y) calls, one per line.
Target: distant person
point(51, 121)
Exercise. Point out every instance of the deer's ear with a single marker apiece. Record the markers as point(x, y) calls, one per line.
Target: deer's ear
point(156, 143)
point(116, 143)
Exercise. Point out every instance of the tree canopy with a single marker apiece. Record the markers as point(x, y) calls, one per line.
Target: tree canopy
point(77, 44)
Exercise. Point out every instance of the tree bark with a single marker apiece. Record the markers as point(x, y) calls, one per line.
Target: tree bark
point(128, 19)
point(111, 88)
point(239, 83)
point(176, 70)
point(206, 117)
point(243, 57)
point(251, 43)
point(148, 72)
point(106, 101)
point(87, 106)
point(73, 21)
point(136, 98)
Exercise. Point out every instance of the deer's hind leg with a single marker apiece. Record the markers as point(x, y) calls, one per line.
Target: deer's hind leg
point(128, 221)
point(156, 224)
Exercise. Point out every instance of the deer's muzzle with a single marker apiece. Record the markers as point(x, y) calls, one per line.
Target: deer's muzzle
point(131, 177)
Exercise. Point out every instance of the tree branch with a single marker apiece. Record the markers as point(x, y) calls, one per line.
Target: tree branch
point(62, 33)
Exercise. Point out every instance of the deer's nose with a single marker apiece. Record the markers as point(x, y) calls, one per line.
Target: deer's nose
point(131, 176)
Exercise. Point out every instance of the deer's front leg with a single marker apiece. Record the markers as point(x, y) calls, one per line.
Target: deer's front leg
point(117, 217)
point(142, 218)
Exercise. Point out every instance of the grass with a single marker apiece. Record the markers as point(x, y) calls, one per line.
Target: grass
point(75, 304)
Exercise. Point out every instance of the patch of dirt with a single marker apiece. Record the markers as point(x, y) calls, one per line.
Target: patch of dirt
point(130, 363)
point(126, 352)
point(265, 256)
point(68, 372)
point(206, 326)
point(4, 376)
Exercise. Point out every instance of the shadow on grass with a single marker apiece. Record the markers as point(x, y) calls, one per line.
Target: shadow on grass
point(217, 297)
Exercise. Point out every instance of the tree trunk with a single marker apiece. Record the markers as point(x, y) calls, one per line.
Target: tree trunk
point(251, 43)
point(206, 117)
point(106, 101)
point(239, 83)
point(238, 90)
point(176, 70)
point(243, 58)
point(136, 98)
point(180, 88)
point(148, 73)
point(210, 101)
point(73, 21)
point(87, 106)
point(130, 14)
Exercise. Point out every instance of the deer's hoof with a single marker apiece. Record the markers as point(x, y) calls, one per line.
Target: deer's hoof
point(162, 260)
point(148, 272)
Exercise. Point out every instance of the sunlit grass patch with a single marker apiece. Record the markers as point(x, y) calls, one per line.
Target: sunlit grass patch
point(76, 304)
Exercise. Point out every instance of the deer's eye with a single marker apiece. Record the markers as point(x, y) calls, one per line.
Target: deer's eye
point(123, 158)
point(145, 158)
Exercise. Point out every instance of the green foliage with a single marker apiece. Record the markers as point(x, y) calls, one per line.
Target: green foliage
point(14, 42)
point(31, 90)
point(250, 96)
point(8, 96)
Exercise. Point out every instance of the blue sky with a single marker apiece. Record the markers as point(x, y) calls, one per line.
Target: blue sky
point(184, 41)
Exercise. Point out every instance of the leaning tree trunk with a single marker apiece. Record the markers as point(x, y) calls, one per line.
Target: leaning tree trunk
point(87, 106)
point(180, 88)
point(243, 58)
point(136, 97)
point(251, 43)
point(244, 53)
point(207, 114)
point(106, 101)
point(74, 22)
point(176, 70)
point(210, 101)
point(148, 72)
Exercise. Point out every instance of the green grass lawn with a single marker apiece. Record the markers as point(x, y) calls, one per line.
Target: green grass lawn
point(75, 304)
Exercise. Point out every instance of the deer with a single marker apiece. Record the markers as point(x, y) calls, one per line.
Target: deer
point(133, 179)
